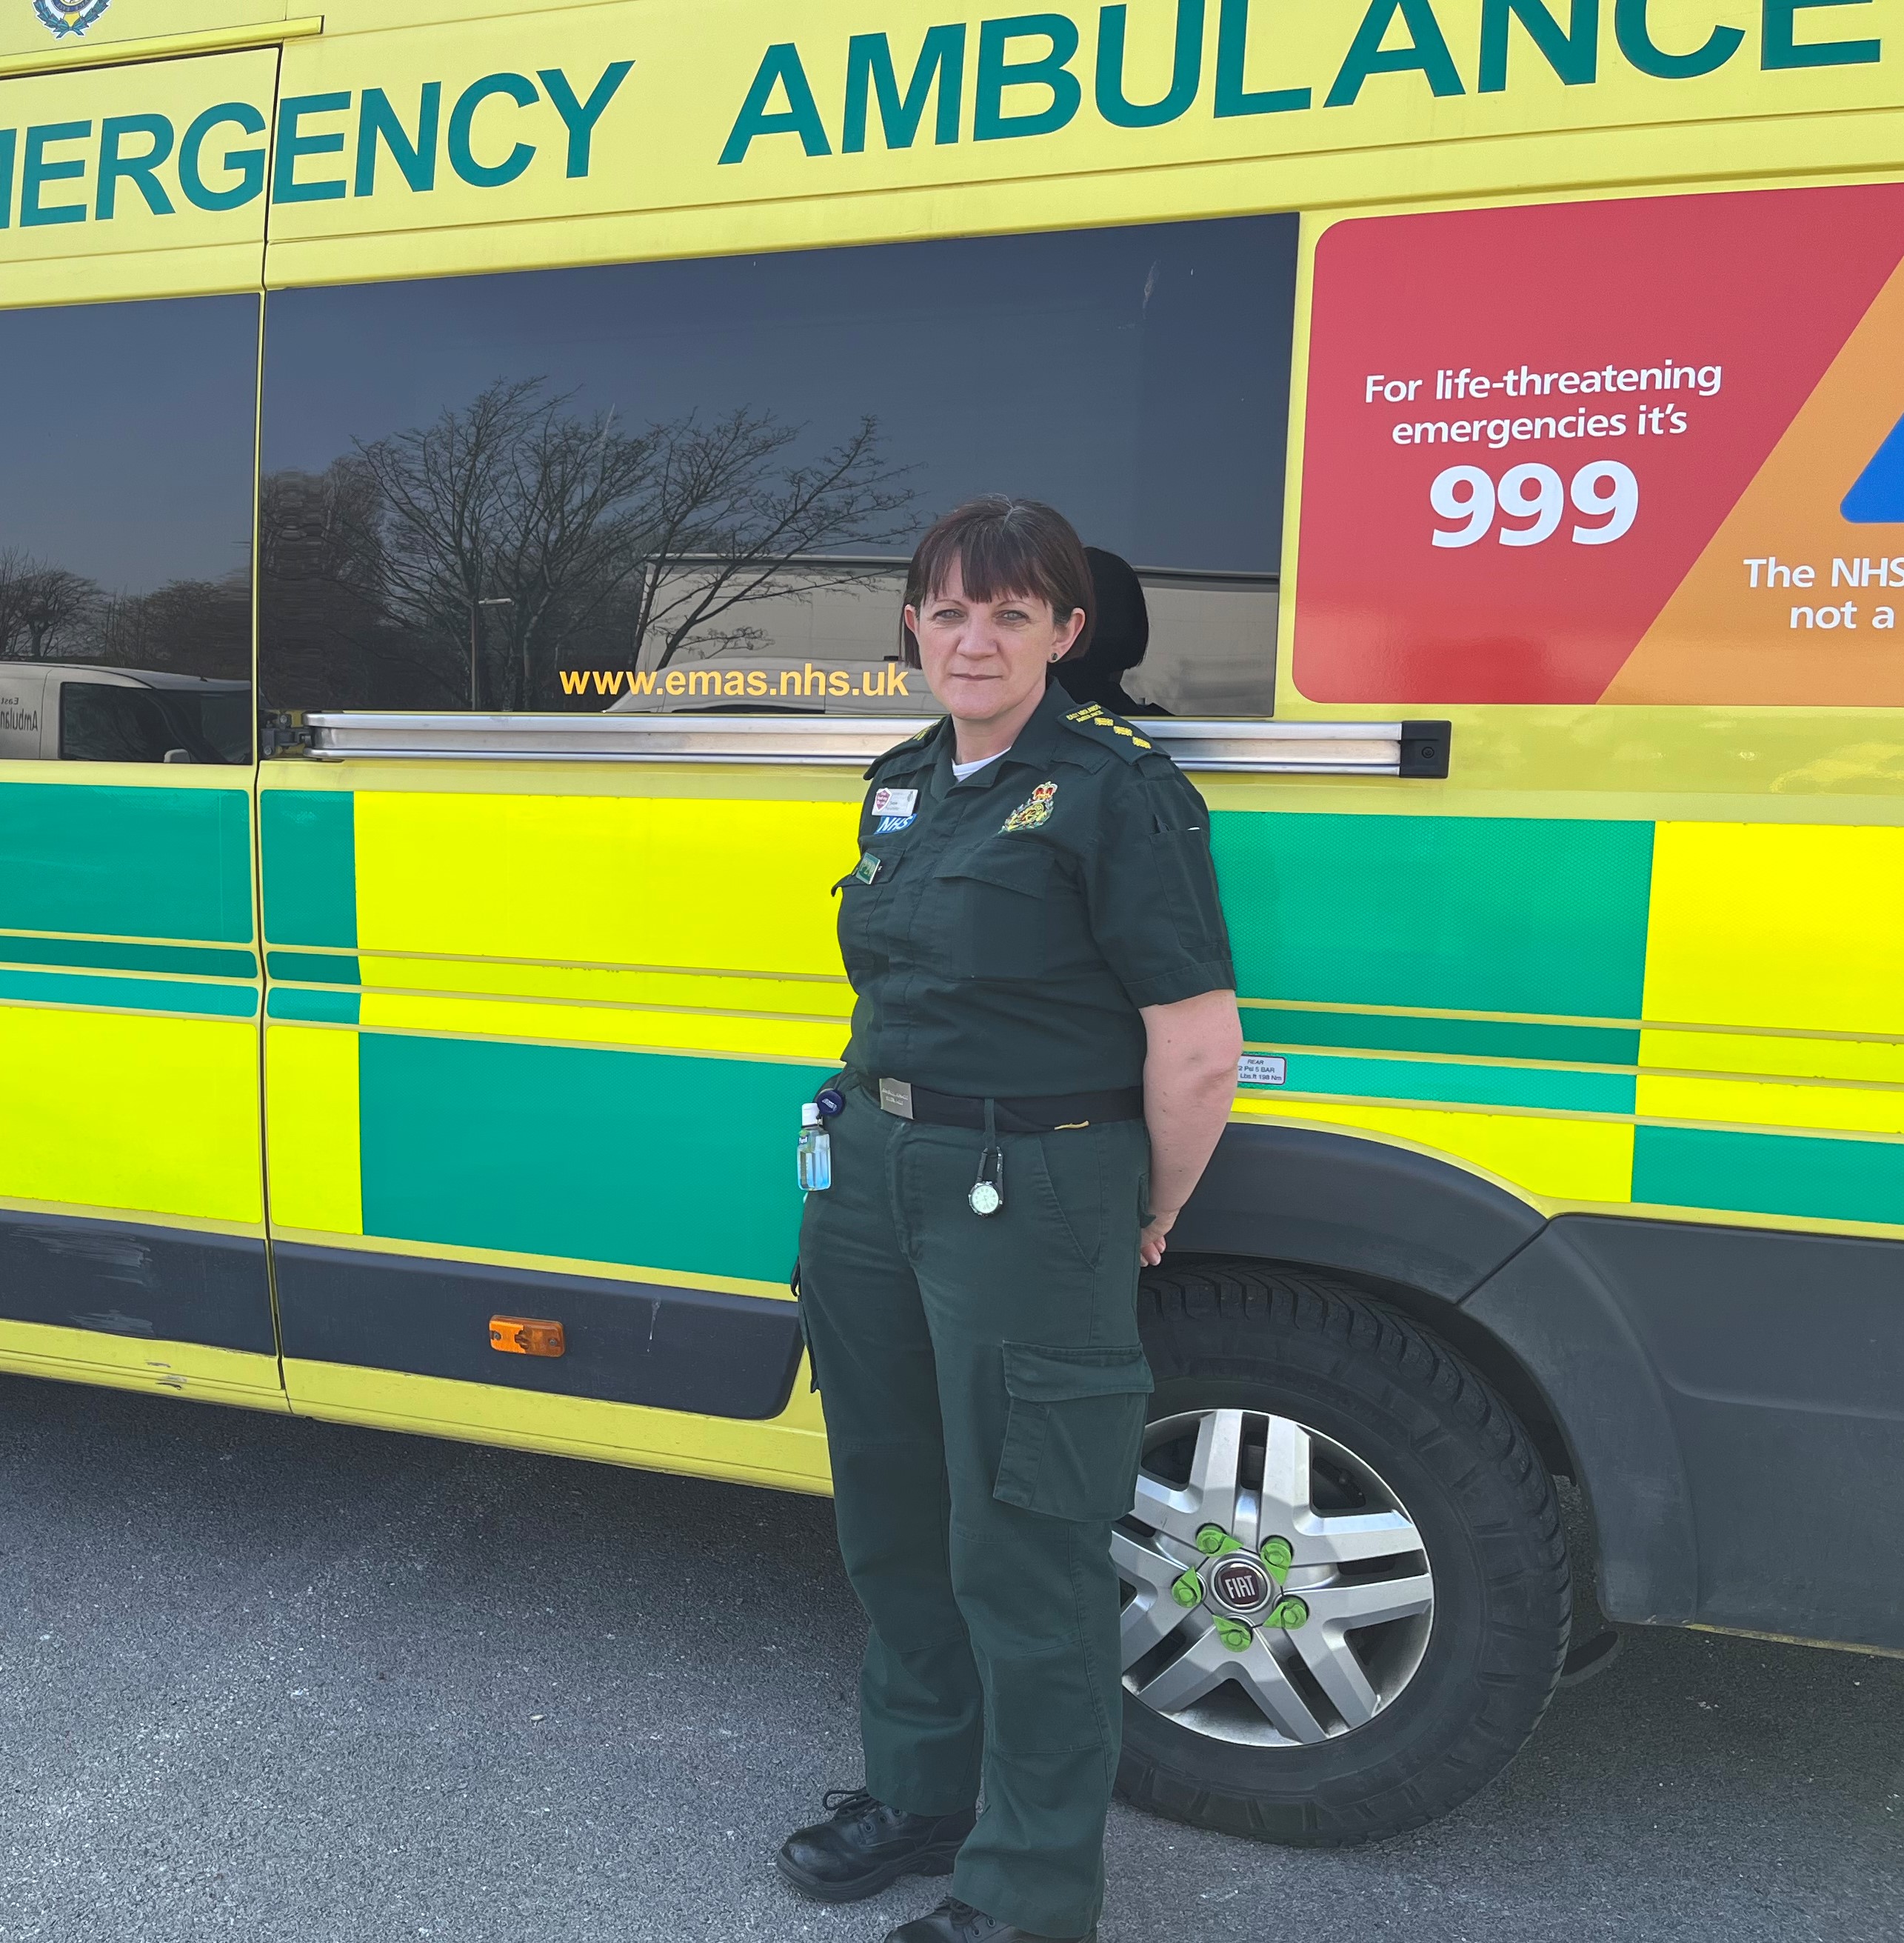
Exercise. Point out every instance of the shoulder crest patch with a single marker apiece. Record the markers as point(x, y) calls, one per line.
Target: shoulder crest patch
point(1035, 809)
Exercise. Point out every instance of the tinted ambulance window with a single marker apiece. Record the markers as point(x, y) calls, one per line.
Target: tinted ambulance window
point(118, 722)
point(126, 510)
point(695, 485)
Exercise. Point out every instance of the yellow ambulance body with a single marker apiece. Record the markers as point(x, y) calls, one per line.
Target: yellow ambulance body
point(1565, 864)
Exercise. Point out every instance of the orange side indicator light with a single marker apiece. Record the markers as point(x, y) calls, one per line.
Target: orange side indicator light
point(522, 1336)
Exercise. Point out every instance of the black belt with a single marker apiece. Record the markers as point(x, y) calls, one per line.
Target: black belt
point(1036, 1115)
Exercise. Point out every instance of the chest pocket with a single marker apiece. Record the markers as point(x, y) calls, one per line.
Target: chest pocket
point(866, 914)
point(996, 911)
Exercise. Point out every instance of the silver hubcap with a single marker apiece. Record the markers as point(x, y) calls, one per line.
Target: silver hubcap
point(1222, 1635)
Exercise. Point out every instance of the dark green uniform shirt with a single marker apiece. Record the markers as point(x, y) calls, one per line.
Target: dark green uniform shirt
point(1000, 941)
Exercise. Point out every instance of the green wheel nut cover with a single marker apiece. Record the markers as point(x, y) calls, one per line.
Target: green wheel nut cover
point(1234, 1634)
point(1188, 1590)
point(1212, 1541)
point(1289, 1613)
point(1279, 1555)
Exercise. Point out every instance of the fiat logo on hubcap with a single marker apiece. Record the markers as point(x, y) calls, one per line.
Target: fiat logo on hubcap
point(1242, 1585)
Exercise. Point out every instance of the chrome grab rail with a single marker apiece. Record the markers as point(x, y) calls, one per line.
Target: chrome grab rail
point(1263, 747)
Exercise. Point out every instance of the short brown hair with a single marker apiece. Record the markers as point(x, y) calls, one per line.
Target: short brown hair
point(1003, 546)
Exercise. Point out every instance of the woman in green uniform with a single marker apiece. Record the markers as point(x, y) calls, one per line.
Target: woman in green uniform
point(1043, 1055)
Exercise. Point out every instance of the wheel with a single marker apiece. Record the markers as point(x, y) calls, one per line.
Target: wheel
point(1347, 1590)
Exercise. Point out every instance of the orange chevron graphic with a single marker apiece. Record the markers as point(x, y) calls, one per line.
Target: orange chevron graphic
point(1719, 639)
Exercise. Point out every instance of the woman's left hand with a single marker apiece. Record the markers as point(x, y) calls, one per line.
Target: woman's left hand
point(1189, 1083)
point(1150, 1242)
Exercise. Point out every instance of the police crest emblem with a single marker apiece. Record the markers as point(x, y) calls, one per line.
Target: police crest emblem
point(1036, 808)
point(69, 16)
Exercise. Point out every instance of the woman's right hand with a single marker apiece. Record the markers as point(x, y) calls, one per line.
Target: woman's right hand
point(1150, 1239)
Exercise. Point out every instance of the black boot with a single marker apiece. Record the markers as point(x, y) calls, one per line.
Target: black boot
point(956, 1922)
point(867, 1845)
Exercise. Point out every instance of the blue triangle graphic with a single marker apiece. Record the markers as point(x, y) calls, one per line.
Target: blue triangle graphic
point(1878, 498)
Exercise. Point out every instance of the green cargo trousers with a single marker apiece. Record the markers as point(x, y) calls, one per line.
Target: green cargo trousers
point(984, 1387)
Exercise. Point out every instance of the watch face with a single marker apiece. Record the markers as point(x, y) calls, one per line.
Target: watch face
point(986, 1199)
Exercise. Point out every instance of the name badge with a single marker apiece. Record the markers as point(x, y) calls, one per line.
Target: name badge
point(895, 803)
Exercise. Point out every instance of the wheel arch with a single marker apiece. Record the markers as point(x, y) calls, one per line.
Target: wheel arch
point(1493, 1279)
point(1355, 1205)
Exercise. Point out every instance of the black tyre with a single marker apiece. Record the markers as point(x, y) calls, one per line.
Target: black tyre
point(1348, 1596)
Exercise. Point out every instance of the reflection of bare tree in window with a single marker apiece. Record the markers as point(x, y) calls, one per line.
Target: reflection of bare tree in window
point(48, 613)
point(42, 608)
point(321, 578)
point(56, 602)
point(723, 526)
point(519, 521)
point(513, 498)
point(186, 627)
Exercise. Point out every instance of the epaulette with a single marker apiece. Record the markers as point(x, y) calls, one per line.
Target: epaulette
point(1101, 726)
point(911, 746)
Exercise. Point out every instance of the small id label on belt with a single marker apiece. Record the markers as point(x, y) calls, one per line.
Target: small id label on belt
point(895, 801)
point(896, 1098)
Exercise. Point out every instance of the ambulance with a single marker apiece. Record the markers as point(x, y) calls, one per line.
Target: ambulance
point(505, 426)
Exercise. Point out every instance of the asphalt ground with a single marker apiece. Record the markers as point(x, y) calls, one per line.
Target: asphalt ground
point(283, 1680)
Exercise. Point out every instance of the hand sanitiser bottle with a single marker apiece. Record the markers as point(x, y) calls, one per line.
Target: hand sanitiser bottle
point(816, 1151)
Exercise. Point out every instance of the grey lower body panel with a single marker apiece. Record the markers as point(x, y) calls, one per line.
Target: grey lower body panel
point(123, 1278)
point(1734, 1400)
point(639, 1343)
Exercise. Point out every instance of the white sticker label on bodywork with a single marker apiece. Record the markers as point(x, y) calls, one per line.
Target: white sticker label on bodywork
point(1257, 1069)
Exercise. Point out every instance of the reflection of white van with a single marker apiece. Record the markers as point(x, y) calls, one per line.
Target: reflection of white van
point(54, 711)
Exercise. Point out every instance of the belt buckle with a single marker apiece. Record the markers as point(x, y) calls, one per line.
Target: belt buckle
point(895, 1098)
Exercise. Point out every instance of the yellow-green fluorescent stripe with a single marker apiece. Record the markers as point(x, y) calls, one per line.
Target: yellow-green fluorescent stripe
point(1456, 1083)
point(1793, 925)
point(306, 840)
point(197, 961)
point(321, 1003)
point(607, 1025)
point(160, 858)
point(745, 992)
point(639, 881)
point(1768, 1056)
point(130, 992)
point(312, 1111)
point(622, 1155)
point(116, 1110)
point(1328, 1028)
point(1753, 1102)
point(1561, 1159)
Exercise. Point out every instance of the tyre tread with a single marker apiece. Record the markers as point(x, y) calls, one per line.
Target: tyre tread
point(1248, 1304)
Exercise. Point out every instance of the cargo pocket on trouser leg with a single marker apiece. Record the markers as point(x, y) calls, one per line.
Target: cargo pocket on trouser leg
point(1075, 1429)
